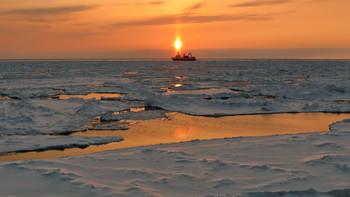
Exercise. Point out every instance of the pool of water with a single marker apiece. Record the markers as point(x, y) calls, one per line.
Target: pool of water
point(178, 127)
point(97, 96)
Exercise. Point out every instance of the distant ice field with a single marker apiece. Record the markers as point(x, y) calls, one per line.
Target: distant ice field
point(43, 102)
point(29, 90)
point(62, 97)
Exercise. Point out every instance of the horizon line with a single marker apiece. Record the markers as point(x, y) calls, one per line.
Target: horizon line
point(160, 59)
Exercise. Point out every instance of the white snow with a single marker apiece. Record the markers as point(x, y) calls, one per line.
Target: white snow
point(340, 126)
point(314, 164)
point(234, 166)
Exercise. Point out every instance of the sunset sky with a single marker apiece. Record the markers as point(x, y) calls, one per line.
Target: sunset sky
point(149, 28)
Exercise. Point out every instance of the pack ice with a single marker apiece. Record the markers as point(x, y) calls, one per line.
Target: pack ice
point(314, 164)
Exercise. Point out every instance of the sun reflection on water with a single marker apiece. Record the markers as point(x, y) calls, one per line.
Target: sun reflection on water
point(186, 132)
point(177, 85)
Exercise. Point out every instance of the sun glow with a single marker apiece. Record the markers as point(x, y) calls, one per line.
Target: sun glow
point(178, 44)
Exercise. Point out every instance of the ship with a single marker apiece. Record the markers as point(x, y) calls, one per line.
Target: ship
point(185, 57)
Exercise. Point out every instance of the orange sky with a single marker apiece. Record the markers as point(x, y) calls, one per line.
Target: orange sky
point(148, 28)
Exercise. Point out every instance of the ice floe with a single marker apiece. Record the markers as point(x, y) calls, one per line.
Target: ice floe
point(341, 126)
point(20, 144)
point(109, 127)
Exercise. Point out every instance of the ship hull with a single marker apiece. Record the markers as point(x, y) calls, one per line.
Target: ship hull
point(183, 59)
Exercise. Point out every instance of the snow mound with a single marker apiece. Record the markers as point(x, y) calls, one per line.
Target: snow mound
point(340, 126)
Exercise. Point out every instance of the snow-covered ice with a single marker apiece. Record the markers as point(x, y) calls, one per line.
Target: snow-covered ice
point(109, 127)
point(32, 106)
point(211, 88)
point(313, 163)
point(340, 126)
point(18, 144)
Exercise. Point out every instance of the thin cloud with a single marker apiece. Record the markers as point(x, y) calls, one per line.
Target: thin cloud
point(193, 8)
point(261, 3)
point(196, 6)
point(156, 3)
point(49, 11)
point(153, 3)
point(187, 19)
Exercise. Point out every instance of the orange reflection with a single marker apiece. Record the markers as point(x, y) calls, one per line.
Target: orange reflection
point(181, 77)
point(168, 90)
point(5, 98)
point(177, 85)
point(131, 73)
point(239, 83)
point(137, 109)
point(342, 101)
point(94, 85)
point(185, 132)
point(97, 96)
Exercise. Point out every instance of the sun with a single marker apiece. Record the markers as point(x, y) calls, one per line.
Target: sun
point(178, 44)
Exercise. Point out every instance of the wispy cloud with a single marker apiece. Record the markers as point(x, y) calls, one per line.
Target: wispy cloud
point(156, 2)
point(261, 3)
point(188, 16)
point(153, 3)
point(49, 11)
point(187, 19)
point(196, 6)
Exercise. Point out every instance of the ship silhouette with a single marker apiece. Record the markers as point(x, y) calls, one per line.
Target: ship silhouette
point(185, 57)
